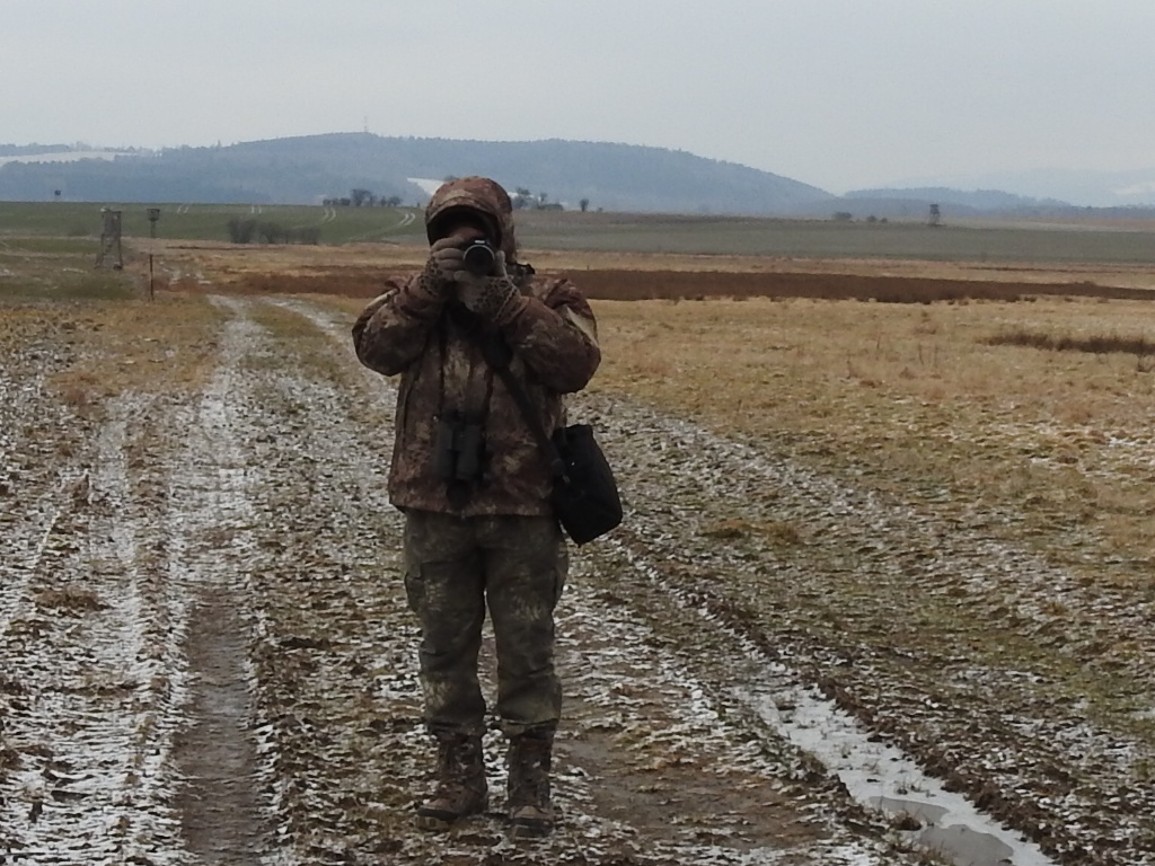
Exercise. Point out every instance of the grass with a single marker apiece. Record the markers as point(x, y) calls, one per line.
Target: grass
point(830, 239)
point(25, 245)
point(74, 285)
point(166, 347)
point(608, 232)
point(911, 396)
point(204, 222)
point(55, 268)
point(320, 355)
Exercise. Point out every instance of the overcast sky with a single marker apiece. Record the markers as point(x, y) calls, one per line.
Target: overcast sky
point(841, 94)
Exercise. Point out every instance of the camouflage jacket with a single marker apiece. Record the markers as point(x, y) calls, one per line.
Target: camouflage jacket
point(439, 359)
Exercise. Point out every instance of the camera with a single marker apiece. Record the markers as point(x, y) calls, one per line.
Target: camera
point(479, 258)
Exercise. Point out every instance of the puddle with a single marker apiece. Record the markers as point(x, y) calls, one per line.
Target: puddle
point(963, 845)
point(879, 776)
point(886, 779)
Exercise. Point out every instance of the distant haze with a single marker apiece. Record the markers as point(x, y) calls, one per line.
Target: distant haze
point(1091, 188)
point(838, 94)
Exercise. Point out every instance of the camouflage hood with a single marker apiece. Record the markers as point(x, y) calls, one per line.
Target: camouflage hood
point(480, 195)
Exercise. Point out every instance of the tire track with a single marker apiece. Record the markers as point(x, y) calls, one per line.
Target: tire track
point(226, 817)
point(34, 487)
point(94, 684)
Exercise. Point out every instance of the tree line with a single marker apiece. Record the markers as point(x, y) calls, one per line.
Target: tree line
point(363, 198)
point(522, 199)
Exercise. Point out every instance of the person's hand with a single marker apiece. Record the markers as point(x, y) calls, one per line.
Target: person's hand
point(447, 256)
point(444, 262)
point(494, 298)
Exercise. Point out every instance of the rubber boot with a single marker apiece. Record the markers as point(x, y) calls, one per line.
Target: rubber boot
point(461, 787)
point(530, 810)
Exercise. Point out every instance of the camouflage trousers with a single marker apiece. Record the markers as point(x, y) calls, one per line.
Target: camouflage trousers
point(454, 569)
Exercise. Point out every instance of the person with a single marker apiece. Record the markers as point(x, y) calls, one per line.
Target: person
point(474, 487)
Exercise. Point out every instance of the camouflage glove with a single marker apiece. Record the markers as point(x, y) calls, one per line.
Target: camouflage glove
point(495, 298)
point(441, 268)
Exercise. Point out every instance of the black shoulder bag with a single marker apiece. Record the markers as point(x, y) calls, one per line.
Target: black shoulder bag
point(585, 493)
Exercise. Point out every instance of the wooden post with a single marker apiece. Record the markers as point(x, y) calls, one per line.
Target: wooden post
point(153, 216)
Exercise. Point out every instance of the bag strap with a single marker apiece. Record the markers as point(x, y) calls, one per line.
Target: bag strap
point(498, 354)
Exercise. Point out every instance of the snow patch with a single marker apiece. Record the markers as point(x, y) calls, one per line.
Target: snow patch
point(427, 184)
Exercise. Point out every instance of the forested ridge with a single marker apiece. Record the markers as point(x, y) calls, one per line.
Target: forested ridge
point(309, 169)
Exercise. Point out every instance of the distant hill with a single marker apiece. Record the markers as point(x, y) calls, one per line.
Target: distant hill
point(308, 169)
point(976, 200)
point(607, 176)
point(1083, 188)
point(914, 203)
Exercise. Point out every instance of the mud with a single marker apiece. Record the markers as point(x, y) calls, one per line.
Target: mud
point(222, 814)
point(207, 655)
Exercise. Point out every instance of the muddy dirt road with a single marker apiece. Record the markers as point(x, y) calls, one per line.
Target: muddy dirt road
point(206, 657)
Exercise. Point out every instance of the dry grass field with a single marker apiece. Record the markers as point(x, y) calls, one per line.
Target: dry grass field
point(916, 397)
point(906, 395)
point(917, 493)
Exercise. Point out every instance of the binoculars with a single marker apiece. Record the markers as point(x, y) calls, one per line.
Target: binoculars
point(460, 446)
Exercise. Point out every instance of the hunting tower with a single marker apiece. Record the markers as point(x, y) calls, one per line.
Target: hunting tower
point(110, 239)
